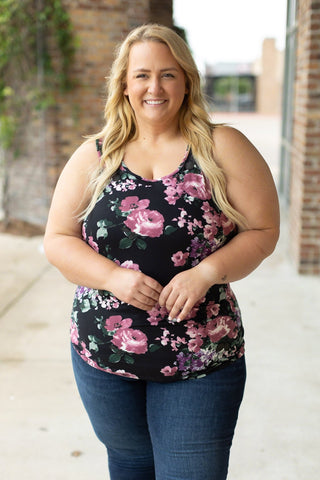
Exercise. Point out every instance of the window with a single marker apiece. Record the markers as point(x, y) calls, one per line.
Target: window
point(288, 99)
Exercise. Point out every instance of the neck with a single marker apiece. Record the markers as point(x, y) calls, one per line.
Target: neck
point(157, 134)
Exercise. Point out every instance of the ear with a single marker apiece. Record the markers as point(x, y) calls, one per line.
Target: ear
point(125, 89)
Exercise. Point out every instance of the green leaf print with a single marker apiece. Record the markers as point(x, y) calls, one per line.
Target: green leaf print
point(115, 357)
point(85, 305)
point(93, 346)
point(169, 229)
point(114, 349)
point(104, 223)
point(222, 295)
point(141, 244)
point(128, 359)
point(153, 347)
point(125, 242)
point(102, 233)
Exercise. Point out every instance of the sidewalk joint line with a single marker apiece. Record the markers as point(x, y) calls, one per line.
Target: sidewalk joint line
point(20, 295)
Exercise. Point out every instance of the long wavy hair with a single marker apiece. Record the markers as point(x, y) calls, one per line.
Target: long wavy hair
point(194, 120)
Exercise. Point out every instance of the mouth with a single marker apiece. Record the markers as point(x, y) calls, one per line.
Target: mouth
point(155, 102)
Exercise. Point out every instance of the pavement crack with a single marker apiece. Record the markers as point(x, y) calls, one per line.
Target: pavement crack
point(25, 290)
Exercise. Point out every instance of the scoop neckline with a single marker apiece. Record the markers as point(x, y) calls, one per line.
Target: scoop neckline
point(160, 179)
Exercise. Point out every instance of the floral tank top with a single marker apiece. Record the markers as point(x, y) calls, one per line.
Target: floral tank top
point(160, 227)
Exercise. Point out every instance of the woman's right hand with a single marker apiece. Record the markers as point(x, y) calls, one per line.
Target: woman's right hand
point(134, 287)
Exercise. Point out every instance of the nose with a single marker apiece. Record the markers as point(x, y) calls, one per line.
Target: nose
point(155, 85)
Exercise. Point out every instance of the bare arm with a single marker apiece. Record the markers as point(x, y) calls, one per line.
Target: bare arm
point(251, 191)
point(76, 260)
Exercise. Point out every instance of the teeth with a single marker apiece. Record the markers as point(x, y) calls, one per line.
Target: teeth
point(154, 102)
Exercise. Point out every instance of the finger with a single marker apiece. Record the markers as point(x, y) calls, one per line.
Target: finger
point(164, 295)
point(142, 302)
point(141, 306)
point(174, 306)
point(174, 313)
point(146, 299)
point(153, 284)
point(149, 293)
point(185, 311)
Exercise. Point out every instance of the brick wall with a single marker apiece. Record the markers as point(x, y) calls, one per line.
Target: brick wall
point(305, 166)
point(49, 139)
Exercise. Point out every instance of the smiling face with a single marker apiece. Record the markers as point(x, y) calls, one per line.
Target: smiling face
point(155, 83)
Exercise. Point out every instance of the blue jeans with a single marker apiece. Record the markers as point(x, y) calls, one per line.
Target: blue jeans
point(164, 431)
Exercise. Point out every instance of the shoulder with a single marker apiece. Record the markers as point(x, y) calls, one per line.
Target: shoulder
point(76, 175)
point(250, 186)
point(232, 148)
point(237, 156)
point(86, 156)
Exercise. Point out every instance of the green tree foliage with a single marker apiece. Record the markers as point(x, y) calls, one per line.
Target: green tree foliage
point(37, 47)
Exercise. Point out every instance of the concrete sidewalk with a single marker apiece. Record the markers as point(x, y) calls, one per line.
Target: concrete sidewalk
point(44, 430)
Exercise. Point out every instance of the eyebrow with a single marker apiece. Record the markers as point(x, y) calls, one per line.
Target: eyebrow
point(162, 70)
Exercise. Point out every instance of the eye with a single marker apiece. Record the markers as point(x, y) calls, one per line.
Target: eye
point(168, 75)
point(141, 75)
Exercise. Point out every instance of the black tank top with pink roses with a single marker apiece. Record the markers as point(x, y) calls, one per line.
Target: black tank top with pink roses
point(159, 227)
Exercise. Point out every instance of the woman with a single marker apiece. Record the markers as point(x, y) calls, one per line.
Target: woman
point(152, 218)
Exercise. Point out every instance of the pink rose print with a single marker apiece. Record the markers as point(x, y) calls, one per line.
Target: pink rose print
point(221, 327)
point(179, 259)
point(171, 195)
point(116, 321)
point(130, 340)
point(123, 373)
point(169, 181)
point(132, 203)
point(156, 314)
point(130, 265)
point(85, 353)
point(195, 330)
point(193, 312)
point(181, 220)
point(148, 223)
point(241, 352)
point(194, 344)
point(84, 235)
point(206, 207)
point(212, 309)
point(169, 371)
point(209, 218)
point(173, 191)
point(74, 333)
point(210, 232)
point(231, 299)
point(165, 337)
point(93, 244)
point(194, 185)
point(192, 226)
point(227, 224)
point(94, 364)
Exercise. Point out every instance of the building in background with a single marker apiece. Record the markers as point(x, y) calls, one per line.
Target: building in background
point(269, 71)
point(100, 25)
point(231, 87)
point(300, 153)
point(51, 137)
point(247, 87)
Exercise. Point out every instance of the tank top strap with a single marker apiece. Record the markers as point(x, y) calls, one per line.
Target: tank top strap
point(99, 146)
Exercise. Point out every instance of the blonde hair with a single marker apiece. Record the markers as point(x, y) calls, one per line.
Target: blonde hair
point(194, 121)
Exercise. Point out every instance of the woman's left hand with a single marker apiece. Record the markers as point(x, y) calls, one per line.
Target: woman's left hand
point(183, 292)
